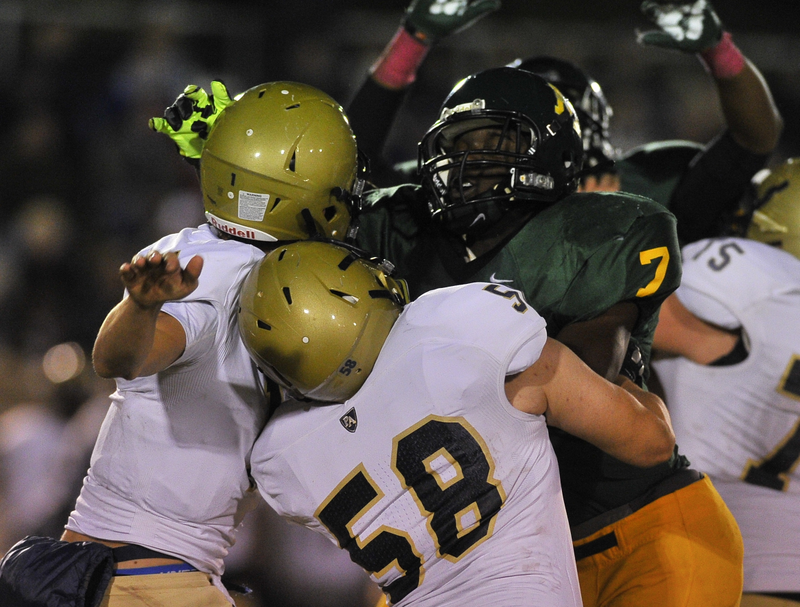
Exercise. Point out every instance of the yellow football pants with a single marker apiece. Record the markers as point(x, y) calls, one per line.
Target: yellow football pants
point(191, 589)
point(681, 550)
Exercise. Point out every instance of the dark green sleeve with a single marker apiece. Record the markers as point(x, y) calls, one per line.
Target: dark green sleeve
point(701, 185)
point(655, 169)
point(712, 187)
point(392, 223)
point(372, 113)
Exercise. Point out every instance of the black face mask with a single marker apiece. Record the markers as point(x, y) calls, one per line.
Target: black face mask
point(501, 223)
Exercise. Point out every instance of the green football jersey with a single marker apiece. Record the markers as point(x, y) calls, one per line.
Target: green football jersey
point(655, 169)
point(573, 261)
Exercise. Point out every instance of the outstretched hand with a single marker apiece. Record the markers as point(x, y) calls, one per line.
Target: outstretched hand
point(691, 27)
point(432, 20)
point(189, 119)
point(158, 278)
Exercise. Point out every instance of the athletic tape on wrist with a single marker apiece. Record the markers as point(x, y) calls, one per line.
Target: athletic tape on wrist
point(397, 66)
point(724, 60)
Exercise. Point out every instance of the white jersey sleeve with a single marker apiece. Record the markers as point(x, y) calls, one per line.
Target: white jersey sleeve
point(497, 326)
point(169, 469)
point(428, 476)
point(740, 423)
point(199, 320)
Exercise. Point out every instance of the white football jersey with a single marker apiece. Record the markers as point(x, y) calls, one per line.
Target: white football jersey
point(170, 467)
point(741, 423)
point(428, 476)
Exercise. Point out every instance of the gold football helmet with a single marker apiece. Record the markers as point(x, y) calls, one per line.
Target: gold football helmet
point(281, 163)
point(776, 220)
point(314, 316)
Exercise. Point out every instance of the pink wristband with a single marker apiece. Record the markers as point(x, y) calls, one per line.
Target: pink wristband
point(397, 66)
point(724, 60)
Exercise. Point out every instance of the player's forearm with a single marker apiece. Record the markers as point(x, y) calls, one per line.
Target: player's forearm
point(655, 439)
point(396, 68)
point(602, 341)
point(648, 400)
point(747, 104)
point(372, 112)
point(749, 110)
point(125, 340)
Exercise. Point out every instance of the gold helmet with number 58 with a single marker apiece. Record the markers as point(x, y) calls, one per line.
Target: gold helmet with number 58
point(314, 316)
point(776, 220)
point(281, 163)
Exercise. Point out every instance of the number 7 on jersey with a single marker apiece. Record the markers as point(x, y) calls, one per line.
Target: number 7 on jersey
point(646, 258)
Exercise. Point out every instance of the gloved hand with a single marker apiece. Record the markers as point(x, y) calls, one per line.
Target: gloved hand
point(188, 121)
point(692, 27)
point(431, 20)
point(633, 366)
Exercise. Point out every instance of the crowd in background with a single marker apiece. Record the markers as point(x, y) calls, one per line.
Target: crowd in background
point(85, 184)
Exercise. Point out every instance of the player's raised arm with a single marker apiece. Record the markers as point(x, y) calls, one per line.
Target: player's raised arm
point(136, 338)
point(623, 420)
point(425, 22)
point(718, 177)
point(747, 104)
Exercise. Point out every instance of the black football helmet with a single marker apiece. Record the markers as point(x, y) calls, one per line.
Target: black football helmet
point(504, 137)
point(590, 103)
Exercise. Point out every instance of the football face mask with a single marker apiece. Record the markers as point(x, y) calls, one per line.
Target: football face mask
point(504, 137)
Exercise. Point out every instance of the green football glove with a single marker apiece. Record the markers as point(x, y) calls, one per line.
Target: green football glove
point(692, 27)
point(188, 121)
point(432, 20)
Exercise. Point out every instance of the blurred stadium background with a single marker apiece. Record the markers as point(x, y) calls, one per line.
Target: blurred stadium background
point(84, 185)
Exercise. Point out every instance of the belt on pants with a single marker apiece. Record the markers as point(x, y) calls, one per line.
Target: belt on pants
point(674, 482)
point(132, 552)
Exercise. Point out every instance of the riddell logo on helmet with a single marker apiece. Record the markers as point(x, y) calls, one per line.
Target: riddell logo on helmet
point(238, 231)
point(233, 231)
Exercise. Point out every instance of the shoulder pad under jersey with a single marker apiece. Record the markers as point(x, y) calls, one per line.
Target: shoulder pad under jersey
point(653, 169)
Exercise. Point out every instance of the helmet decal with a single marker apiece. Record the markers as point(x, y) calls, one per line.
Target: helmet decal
point(252, 205)
point(559, 109)
point(770, 191)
